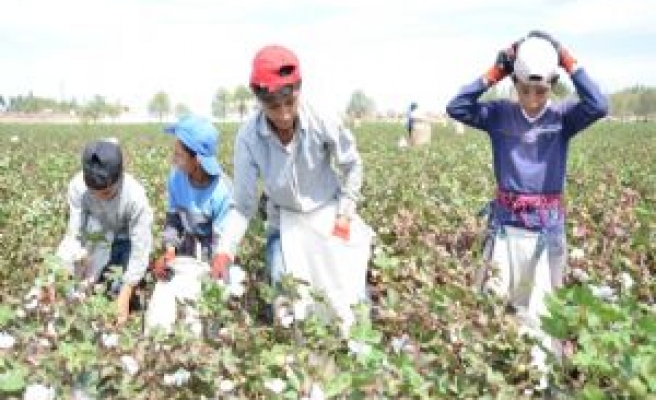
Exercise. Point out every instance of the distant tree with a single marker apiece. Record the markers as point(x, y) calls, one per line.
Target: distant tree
point(221, 103)
point(561, 90)
point(241, 96)
point(160, 105)
point(114, 110)
point(2, 102)
point(182, 109)
point(98, 108)
point(634, 101)
point(360, 105)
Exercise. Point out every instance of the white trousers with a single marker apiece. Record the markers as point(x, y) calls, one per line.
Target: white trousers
point(524, 267)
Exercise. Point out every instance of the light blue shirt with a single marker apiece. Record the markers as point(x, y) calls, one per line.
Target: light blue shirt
point(319, 165)
point(202, 211)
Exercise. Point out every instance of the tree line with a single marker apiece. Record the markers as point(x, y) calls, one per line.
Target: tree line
point(636, 101)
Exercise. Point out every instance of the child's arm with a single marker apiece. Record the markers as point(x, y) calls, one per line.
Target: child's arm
point(235, 223)
point(466, 108)
point(141, 240)
point(343, 148)
point(591, 106)
point(173, 227)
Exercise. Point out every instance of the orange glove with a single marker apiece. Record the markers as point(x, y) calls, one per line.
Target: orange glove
point(342, 228)
point(503, 65)
point(220, 264)
point(161, 265)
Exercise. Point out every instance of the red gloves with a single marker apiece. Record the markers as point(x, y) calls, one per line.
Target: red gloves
point(220, 264)
point(161, 265)
point(503, 65)
point(565, 59)
point(342, 228)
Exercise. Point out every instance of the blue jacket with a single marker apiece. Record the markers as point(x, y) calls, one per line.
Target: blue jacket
point(530, 156)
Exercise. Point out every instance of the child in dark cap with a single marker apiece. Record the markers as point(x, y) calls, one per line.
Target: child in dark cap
point(109, 223)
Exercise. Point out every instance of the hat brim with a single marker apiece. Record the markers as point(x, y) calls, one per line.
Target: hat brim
point(182, 135)
point(209, 164)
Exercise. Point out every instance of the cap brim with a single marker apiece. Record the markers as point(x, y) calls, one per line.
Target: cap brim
point(209, 164)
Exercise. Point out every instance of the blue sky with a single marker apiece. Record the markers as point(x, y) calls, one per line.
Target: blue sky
point(395, 51)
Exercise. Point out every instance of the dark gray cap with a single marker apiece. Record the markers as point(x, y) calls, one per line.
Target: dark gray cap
point(102, 164)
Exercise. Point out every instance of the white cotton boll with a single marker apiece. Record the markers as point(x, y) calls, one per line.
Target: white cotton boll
point(627, 281)
point(6, 341)
point(358, 348)
point(399, 343)
point(577, 254)
point(284, 315)
point(34, 292)
point(130, 365)
point(109, 340)
point(32, 304)
point(580, 275)
point(316, 392)
point(181, 377)
point(76, 295)
point(168, 380)
point(236, 274)
point(81, 394)
point(226, 385)
point(276, 385)
point(14, 139)
point(50, 329)
point(20, 313)
point(287, 320)
point(236, 290)
point(39, 392)
point(301, 310)
point(603, 292)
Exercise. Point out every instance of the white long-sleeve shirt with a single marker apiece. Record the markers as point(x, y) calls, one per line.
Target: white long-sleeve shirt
point(128, 216)
point(319, 165)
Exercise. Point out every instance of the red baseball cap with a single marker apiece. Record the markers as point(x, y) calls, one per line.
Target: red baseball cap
point(274, 68)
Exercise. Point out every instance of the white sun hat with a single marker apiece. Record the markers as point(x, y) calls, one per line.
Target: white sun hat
point(536, 62)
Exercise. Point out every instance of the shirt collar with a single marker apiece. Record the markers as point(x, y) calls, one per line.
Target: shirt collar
point(540, 114)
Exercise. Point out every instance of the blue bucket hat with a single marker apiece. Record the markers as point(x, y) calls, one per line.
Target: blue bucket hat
point(200, 136)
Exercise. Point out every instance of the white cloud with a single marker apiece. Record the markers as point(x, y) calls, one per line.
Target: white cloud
point(398, 52)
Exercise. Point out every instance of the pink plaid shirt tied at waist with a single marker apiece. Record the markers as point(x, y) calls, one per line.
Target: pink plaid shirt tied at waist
point(521, 204)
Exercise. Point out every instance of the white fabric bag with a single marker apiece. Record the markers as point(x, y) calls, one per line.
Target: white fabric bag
point(329, 264)
point(184, 287)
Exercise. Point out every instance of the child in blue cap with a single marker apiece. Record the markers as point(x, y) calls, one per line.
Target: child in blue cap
point(199, 197)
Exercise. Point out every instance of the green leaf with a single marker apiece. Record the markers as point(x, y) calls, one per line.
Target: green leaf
point(338, 385)
point(592, 392)
point(13, 380)
point(6, 315)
